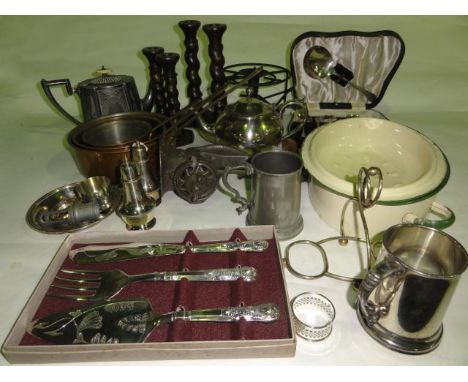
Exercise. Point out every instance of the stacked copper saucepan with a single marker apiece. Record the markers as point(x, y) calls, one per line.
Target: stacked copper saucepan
point(99, 146)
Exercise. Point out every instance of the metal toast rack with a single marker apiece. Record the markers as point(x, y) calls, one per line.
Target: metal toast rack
point(368, 189)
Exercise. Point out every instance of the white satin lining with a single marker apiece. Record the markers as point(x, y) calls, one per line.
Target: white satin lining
point(370, 58)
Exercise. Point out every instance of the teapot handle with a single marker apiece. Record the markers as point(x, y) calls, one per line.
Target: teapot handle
point(46, 85)
point(302, 107)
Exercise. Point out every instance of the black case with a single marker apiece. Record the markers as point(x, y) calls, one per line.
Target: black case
point(372, 57)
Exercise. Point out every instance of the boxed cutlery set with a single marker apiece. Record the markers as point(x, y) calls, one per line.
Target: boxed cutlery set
point(213, 293)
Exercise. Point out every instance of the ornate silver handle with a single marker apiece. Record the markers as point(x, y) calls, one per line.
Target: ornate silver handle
point(232, 246)
point(389, 271)
point(258, 313)
point(223, 274)
point(244, 203)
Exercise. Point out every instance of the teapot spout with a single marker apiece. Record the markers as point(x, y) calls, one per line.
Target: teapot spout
point(147, 102)
point(204, 125)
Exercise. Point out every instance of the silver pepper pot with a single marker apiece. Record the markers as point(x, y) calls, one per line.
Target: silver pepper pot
point(149, 184)
point(136, 209)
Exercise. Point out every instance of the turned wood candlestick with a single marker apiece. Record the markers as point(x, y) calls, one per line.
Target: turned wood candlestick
point(190, 28)
point(168, 63)
point(215, 51)
point(155, 94)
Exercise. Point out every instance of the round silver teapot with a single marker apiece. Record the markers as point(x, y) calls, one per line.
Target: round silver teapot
point(253, 124)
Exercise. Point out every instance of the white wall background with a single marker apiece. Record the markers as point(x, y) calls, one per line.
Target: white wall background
point(433, 75)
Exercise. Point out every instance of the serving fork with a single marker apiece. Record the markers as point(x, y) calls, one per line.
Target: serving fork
point(93, 285)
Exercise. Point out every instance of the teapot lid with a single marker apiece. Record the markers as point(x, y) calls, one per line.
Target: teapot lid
point(105, 78)
point(250, 106)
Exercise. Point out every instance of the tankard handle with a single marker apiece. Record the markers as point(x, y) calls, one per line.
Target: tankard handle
point(304, 113)
point(236, 198)
point(447, 215)
point(46, 85)
point(385, 279)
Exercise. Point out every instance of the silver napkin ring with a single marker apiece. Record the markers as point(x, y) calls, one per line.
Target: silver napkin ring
point(313, 316)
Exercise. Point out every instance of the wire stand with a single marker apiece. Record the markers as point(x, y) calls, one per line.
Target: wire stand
point(367, 196)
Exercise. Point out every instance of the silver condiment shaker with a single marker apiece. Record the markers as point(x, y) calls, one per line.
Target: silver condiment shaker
point(139, 155)
point(136, 209)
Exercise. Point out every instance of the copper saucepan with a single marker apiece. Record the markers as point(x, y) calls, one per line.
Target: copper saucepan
point(99, 146)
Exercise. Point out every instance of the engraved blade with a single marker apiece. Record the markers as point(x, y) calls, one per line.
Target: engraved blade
point(104, 254)
point(97, 323)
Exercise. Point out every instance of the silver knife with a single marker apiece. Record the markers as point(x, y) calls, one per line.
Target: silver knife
point(91, 254)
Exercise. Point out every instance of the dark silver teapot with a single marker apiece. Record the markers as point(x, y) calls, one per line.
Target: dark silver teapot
point(102, 95)
point(110, 94)
point(253, 124)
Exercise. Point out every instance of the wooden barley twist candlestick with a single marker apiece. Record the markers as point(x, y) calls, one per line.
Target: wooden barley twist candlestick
point(168, 62)
point(215, 51)
point(190, 28)
point(155, 93)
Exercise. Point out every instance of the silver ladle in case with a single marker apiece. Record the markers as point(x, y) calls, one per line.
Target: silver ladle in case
point(319, 64)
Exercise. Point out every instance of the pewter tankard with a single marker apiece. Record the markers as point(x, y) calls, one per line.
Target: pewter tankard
point(275, 191)
point(403, 299)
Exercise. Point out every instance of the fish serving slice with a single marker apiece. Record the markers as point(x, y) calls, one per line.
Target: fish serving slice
point(131, 321)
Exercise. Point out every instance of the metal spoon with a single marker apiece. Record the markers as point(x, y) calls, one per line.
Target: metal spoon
point(318, 63)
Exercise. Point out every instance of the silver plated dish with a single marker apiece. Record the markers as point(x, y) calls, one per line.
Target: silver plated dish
point(59, 201)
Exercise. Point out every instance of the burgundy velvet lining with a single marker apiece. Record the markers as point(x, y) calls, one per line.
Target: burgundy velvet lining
point(168, 296)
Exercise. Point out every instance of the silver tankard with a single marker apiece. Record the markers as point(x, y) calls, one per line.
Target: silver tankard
point(275, 192)
point(404, 297)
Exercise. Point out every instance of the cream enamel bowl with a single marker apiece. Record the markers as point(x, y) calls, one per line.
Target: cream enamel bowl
point(414, 170)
